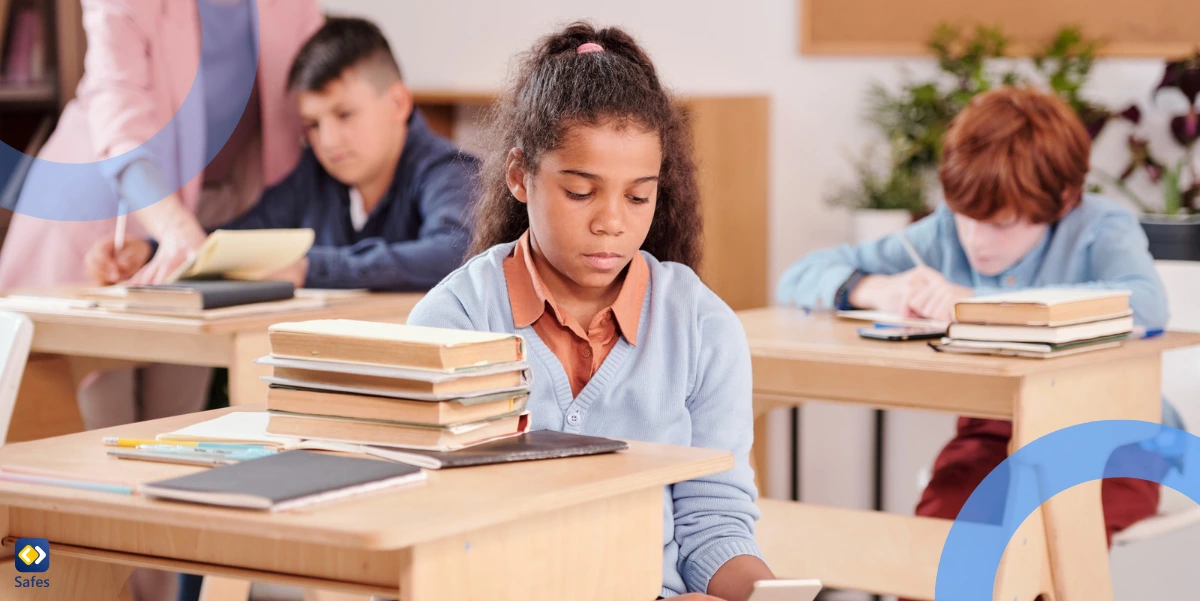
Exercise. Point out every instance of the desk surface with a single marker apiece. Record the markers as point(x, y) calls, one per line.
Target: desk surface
point(378, 304)
point(786, 333)
point(451, 502)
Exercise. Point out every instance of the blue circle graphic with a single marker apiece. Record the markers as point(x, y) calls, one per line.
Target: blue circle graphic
point(1045, 467)
point(88, 191)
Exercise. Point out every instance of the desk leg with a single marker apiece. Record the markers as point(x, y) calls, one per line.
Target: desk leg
point(219, 588)
point(244, 386)
point(761, 454)
point(1074, 518)
point(1024, 571)
point(46, 403)
point(71, 579)
point(603, 550)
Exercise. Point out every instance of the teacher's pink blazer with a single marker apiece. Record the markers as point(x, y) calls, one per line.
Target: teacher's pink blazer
point(142, 57)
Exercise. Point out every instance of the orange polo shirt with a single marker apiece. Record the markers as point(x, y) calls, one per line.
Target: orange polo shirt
point(580, 351)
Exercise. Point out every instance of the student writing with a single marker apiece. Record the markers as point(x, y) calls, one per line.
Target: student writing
point(1013, 169)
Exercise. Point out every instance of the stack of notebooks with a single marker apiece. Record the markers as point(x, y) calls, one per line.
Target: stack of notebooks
point(395, 386)
point(1040, 324)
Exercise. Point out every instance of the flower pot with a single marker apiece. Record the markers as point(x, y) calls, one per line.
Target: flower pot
point(1173, 237)
point(872, 224)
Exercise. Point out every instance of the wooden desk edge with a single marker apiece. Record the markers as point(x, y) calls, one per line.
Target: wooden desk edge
point(103, 506)
point(1015, 367)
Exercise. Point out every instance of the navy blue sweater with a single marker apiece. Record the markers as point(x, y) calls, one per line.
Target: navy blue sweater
point(415, 236)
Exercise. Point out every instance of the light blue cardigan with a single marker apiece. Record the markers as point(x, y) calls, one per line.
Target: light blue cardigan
point(687, 382)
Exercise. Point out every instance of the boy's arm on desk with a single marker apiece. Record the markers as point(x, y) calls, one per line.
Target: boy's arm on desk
point(814, 280)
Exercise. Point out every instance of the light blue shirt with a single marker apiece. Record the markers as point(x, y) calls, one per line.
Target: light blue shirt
point(1098, 244)
point(687, 382)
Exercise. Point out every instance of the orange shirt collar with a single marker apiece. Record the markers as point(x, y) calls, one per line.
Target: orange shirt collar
point(529, 296)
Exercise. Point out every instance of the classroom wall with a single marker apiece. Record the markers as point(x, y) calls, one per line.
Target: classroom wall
point(717, 46)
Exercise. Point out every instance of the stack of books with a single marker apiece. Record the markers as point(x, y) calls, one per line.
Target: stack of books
point(1040, 323)
point(398, 386)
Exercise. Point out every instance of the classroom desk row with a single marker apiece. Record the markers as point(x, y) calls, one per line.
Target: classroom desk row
point(233, 342)
point(592, 523)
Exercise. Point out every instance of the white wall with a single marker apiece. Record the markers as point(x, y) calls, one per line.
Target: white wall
point(719, 46)
point(705, 46)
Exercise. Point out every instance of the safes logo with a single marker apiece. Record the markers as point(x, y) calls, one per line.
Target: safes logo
point(33, 555)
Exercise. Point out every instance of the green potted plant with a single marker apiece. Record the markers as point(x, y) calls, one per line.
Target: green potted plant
point(1171, 218)
point(881, 201)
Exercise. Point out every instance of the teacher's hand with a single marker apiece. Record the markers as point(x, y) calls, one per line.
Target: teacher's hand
point(175, 247)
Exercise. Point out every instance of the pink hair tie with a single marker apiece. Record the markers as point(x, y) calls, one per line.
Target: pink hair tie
point(589, 48)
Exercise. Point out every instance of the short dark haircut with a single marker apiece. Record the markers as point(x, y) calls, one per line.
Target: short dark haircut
point(340, 44)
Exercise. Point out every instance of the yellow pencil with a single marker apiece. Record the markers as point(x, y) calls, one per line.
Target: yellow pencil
point(113, 441)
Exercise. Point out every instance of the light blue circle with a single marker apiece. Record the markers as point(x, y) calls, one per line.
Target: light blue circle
point(1044, 468)
point(87, 191)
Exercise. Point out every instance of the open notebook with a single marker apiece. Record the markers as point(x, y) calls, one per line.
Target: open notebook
point(246, 254)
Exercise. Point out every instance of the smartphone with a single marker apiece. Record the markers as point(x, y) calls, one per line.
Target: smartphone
point(902, 333)
point(785, 590)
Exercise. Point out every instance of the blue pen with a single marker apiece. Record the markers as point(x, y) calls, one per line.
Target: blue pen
point(1140, 332)
point(258, 451)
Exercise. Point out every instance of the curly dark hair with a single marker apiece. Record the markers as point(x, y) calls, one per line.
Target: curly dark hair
point(556, 88)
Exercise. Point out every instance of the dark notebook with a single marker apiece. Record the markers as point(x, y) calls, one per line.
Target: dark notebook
point(209, 294)
point(283, 481)
point(530, 446)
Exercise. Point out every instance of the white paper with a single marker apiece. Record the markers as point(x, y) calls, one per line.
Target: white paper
point(1047, 297)
point(387, 371)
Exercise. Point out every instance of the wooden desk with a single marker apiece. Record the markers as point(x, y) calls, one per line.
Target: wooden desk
point(232, 342)
point(580, 529)
point(798, 357)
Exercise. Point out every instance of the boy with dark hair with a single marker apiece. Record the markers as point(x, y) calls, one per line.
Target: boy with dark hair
point(1013, 169)
point(386, 196)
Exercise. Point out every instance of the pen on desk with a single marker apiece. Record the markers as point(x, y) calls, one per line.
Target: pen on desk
point(1140, 332)
point(912, 252)
point(115, 441)
point(57, 475)
point(173, 448)
point(67, 483)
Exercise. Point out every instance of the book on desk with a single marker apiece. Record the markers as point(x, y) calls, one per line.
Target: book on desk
point(1040, 324)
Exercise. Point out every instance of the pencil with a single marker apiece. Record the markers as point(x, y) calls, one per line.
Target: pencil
point(66, 483)
point(912, 252)
point(114, 441)
point(119, 240)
